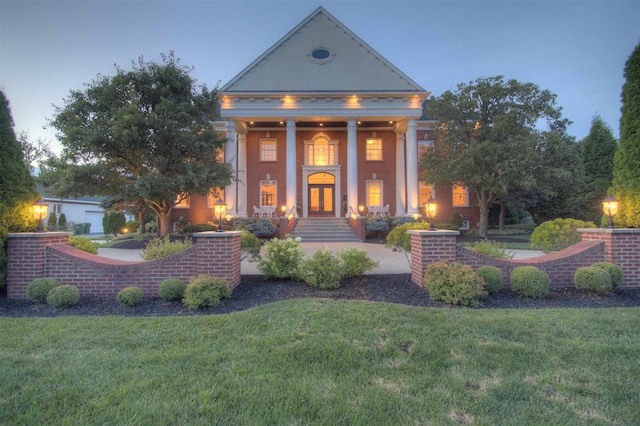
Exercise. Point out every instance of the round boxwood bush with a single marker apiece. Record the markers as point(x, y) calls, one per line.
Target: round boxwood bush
point(592, 280)
point(38, 289)
point(529, 281)
point(492, 277)
point(129, 296)
point(205, 290)
point(63, 296)
point(172, 289)
point(453, 283)
point(615, 272)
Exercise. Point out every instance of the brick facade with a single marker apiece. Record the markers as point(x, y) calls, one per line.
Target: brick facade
point(37, 255)
point(619, 246)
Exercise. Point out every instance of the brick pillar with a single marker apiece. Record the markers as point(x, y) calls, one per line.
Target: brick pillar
point(622, 247)
point(359, 226)
point(26, 259)
point(285, 226)
point(428, 247)
point(218, 255)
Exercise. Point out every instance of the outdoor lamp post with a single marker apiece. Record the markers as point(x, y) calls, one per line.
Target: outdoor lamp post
point(610, 207)
point(430, 209)
point(40, 212)
point(219, 208)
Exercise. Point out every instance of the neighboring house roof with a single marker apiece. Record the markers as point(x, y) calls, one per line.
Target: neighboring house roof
point(321, 55)
point(85, 200)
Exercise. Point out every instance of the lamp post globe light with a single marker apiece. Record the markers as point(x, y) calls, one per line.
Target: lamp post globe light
point(219, 208)
point(40, 212)
point(610, 208)
point(430, 208)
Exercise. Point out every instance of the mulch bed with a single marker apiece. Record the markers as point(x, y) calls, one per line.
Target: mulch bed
point(254, 290)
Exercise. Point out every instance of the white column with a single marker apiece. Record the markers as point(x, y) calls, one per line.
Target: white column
point(401, 177)
point(412, 168)
point(352, 167)
point(291, 169)
point(231, 158)
point(242, 174)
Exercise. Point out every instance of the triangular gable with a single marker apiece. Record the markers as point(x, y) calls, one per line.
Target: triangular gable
point(289, 66)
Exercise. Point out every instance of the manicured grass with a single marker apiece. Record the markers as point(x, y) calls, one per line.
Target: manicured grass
point(325, 362)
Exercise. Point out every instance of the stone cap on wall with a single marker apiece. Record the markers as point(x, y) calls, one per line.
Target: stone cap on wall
point(39, 234)
point(611, 230)
point(438, 232)
point(215, 234)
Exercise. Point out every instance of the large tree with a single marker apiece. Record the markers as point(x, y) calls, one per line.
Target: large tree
point(145, 135)
point(598, 150)
point(17, 187)
point(498, 138)
point(626, 169)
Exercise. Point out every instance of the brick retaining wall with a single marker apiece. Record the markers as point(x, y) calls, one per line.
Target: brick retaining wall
point(619, 246)
point(37, 255)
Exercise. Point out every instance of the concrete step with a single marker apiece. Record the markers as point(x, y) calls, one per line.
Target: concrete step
point(324, 229)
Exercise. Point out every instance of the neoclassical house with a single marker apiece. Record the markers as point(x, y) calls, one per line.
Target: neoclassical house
point(323, 124)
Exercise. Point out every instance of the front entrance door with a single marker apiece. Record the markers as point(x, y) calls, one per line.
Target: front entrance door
point(321, 194)
point(321, 200)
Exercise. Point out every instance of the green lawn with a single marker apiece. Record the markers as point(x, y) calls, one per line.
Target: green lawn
point(325, 362)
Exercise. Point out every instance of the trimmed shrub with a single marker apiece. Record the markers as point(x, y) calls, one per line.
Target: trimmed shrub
point(63, 296)
point(282, 259)
point(377, 225)
point(453, 283)
point(249, 247)
point(492, 276)
point(132, 226)
point(52, 222)
point(401, 220)
point(490, 248)
point(172, 289)
point(592, 280)
point(400, 240)
point(129, 296)
point(323, 270)
point(62, 222)
point(205, 290)
point(558, 234)
point(84, 244)
point(163, 247)
point(112, 223)
point(263, 229)
point(38, 289)
point(202, 227)
point(614, 271)
point(355, 262)
point(240, 223)
point(529, 281)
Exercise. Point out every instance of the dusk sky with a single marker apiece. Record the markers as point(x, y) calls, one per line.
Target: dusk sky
point(574, 48)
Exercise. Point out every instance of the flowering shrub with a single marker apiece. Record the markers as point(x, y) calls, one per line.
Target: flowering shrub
point(453, 283)
point(355, 262)
point(323, 270)
point(282, 259)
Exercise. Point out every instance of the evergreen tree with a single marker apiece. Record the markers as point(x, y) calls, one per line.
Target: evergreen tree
point(17, 187)
point(598, 151)
point(626, 165)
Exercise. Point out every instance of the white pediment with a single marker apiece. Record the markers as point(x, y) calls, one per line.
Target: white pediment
point(343, 63)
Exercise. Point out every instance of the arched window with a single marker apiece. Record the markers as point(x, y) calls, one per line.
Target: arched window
point(321, 152)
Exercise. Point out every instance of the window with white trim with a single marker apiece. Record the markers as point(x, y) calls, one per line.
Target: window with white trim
point(321, 152)
point(374, 192)
point(425, 191)
point(424, 146)
point(374, 149)
point(460, 195)
point(182, 201)
point(268, 150)
point(268, 193)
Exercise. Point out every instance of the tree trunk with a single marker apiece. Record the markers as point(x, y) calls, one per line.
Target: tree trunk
point(503, 208)
point(483, 201)
point(164, 224)
point(141, 221)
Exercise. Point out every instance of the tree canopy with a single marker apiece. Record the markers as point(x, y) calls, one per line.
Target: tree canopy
point(626, 169)
point(498, 138)
point(144, 135)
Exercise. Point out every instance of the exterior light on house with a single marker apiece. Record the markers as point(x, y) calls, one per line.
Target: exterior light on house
point(361, 209)
point(283, 209)
point(430, 208)
point(40, 212)
point(610, 208)
point(416, 216)
point(219, 208)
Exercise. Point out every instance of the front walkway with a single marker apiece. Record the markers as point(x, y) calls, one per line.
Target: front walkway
point(390, 262)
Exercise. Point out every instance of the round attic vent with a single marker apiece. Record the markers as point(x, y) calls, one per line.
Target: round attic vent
point(321, 55)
